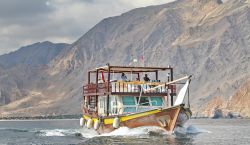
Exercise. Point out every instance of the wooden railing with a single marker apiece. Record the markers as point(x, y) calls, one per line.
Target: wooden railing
point(127, 87)
point(95, 88)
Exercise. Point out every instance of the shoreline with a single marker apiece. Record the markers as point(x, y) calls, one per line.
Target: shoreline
point(41, 117)
point(73, 117)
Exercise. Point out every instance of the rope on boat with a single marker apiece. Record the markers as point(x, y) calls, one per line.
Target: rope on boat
point(142, 90)
point(138, 102)
point(180, 79)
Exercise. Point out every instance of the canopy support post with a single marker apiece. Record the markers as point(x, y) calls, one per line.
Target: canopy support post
point(171, 79)
point(108, 90)
point(156, 75)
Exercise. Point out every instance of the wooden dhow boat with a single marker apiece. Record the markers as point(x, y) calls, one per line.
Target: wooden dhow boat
point(125, 96)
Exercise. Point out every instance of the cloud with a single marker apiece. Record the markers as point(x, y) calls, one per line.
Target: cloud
point(12, 9)
point(30, 21)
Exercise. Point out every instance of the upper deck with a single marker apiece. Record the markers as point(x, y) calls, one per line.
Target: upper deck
point(106, 82)
point(134, 88)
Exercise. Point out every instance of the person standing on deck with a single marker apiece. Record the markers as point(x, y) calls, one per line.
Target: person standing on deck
point(124, 77)
point(146, 78)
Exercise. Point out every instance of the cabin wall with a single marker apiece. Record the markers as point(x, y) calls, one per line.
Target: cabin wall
point(129, 103)
point(115, 105)
point(102, 105)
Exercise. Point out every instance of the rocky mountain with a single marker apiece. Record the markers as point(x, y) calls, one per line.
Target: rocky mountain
point(20, 71)
point(207, 38)
point(235, 106)
point(239, 103)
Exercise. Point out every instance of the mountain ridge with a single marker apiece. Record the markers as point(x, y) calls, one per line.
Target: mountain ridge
point(22, 57)
point(21, 68)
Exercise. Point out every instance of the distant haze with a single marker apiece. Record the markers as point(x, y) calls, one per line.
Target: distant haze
point(29, 21)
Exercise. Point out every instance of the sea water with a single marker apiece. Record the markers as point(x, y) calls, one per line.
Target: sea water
point(196, 131)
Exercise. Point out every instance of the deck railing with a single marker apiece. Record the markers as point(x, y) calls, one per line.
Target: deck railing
point(132, 87)
point(127, 87)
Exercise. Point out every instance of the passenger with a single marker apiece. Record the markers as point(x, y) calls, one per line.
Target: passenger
point(146, 78)
point(124, 77)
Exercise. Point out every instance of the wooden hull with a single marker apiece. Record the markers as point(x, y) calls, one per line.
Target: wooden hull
point(165, 118)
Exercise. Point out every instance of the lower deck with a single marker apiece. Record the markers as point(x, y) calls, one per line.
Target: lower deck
point(119, 105)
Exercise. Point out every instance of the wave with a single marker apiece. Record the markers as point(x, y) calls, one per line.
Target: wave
point(54, 132)
point(122, 131)
point(191, 129)
point(14, 130)
point(47, 132)
point(58, 132)
point(145, 130)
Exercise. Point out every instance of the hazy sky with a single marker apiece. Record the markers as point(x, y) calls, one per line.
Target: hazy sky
point(24, 22)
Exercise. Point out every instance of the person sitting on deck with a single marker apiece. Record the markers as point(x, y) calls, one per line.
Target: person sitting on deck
point(124, 77)
point(146, 78)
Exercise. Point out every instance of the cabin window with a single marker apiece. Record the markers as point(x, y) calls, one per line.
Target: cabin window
point(113, 105)
point(156, 101)
point(144, 101)
point(102, 104)
point(105, 103)
point(129, 104)
point(127, 100)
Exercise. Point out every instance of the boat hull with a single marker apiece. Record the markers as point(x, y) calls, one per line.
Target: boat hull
point(166, 118)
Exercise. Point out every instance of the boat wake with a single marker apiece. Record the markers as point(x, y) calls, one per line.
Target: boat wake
point(146, 130)
point(191, 129)
point(13, 130)
point(122, 131)
point(46, 132)
point(66, 132)
point(55, 132)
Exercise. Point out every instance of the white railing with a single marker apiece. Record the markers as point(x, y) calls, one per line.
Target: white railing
point(127, 87)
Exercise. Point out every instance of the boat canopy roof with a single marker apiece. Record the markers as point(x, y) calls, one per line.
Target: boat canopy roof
point(133, 69)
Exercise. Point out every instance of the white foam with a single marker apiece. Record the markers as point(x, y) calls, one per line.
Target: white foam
point(122, 131)
point(193, 129)
point(125, 131)
point(190, 130)
point(58, 132)
point(88, 133)
point(55, 132)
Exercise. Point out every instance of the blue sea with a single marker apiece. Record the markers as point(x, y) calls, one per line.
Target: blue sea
point(60, 132)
